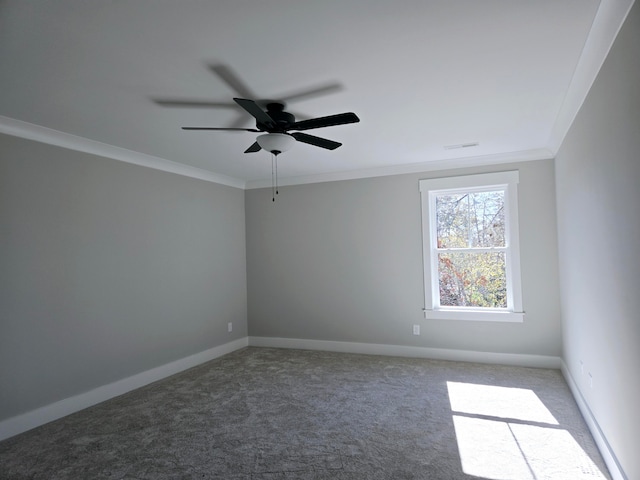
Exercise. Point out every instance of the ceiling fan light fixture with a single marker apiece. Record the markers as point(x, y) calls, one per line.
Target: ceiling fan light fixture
point(275, 143)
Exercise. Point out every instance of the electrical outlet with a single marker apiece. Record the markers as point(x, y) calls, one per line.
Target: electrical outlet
point(416, 329)
point(230, 327)
point(590, 380)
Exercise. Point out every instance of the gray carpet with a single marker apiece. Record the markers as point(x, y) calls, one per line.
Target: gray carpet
point(271, 414)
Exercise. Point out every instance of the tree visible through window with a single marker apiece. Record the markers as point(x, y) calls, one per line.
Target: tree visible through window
point(471, 245)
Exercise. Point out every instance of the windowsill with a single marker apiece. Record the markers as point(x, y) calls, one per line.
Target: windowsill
point(474, 315)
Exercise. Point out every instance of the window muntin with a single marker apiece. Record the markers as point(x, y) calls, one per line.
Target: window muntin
point(471, 250)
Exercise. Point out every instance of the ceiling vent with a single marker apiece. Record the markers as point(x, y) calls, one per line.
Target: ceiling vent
point(461, 145)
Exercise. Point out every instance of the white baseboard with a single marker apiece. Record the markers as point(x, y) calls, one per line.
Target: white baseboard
point(27, 421)
point(605, 449)
point(35, 418)
point(521, 360)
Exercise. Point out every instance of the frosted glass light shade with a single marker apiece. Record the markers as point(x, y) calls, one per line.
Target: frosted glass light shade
point(275, 142)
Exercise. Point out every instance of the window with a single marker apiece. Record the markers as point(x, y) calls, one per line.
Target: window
point(470, 243)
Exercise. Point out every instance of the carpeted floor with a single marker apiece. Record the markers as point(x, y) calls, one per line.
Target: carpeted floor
point(270, 414)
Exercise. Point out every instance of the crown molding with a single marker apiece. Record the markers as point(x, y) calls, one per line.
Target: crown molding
point(30, 131)
point(606, 24)
point(429, 166)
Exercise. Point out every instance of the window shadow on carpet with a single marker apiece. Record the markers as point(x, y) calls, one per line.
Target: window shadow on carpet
point(507, 432)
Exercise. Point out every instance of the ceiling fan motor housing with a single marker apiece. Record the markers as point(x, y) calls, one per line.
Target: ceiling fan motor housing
point(276, 111)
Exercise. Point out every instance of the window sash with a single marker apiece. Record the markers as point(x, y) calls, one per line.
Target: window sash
point(435, 271)
point(472, 290)
point(430, 189)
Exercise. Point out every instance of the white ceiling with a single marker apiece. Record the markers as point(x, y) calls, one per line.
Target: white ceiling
point(420, 74)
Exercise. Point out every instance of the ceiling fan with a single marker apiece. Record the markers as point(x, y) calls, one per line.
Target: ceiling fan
point(270, 116)
point(242, 90)
point(275, 124)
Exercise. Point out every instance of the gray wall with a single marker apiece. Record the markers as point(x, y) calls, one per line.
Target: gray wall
point(598, 178)
point(107, 270)
point(342, 261)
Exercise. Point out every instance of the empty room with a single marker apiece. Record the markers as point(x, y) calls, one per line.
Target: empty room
point(319, 240)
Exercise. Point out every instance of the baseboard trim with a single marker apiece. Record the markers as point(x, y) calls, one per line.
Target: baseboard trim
point(616, 471)
point(522, 360)
point(35, 418)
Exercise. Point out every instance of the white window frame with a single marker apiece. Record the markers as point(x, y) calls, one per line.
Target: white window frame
point(429, 189)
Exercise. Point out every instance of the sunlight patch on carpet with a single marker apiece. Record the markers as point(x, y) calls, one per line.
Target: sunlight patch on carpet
point(507, 433)
point(500, 402)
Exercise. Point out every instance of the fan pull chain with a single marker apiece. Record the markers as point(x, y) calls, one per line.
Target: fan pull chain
point(276, 155)
point(273, 195)
point(274, 176)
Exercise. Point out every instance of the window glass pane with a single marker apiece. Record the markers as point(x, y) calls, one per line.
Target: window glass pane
point(452, 220)
point(486, 217)
point(470, 220)
point(472, 279)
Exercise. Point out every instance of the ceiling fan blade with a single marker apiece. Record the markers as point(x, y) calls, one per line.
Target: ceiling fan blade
point(229, 77)
point(260, 115)
point(223, 128)
point(331, 120)
point(301, 116)
point(176, 102)
point(317, 141)
point(311, 92)
point(253, 148)
point(241, 120)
